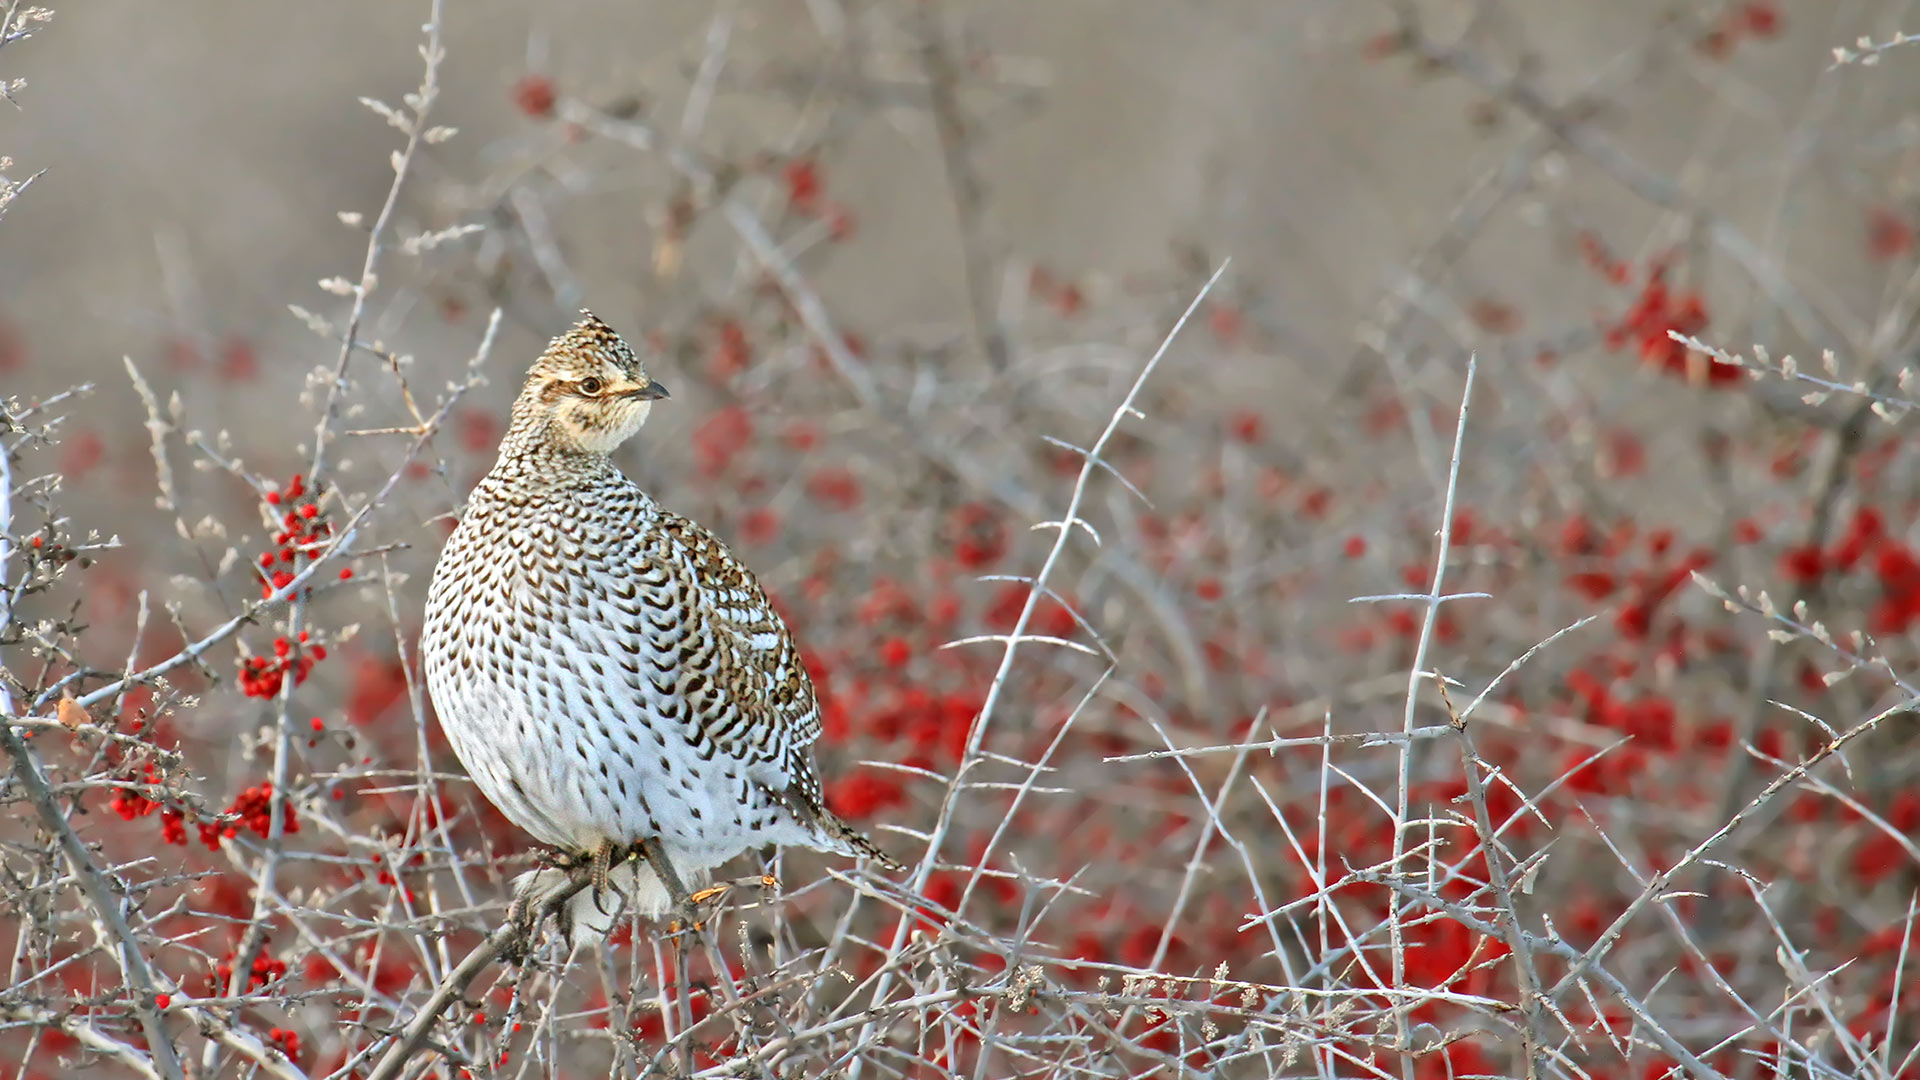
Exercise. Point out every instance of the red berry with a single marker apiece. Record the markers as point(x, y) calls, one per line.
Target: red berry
point(803, 185)
point(1247, 426)
point(1889, 236)
point(535, 96)
point(1762, 19)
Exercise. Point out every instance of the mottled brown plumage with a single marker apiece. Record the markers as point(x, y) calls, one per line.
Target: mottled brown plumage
point(607, 671)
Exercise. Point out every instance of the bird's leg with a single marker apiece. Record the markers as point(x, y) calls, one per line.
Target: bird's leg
point(524, 916)
point(655, 853)
point(765, 881)
point(602, 871)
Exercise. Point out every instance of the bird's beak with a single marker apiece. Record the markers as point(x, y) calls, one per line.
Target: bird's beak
point(652, 391)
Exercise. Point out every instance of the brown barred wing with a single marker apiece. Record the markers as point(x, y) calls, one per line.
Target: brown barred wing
point(752, 697)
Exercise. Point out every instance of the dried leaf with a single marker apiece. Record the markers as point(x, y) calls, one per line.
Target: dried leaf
point(70, 713)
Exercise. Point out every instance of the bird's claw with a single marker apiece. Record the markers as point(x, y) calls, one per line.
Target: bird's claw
point(524, 917)
point(602, 864)
point(688, 913)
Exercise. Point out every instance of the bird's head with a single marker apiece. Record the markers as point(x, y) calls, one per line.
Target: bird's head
point(588, 393)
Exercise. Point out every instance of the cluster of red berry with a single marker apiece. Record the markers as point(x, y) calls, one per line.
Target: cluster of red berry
point(287, 1040)
point(265, 970)
point(1894, 565)
point(1757, 19)
point(1656, 313)
point(251, 809)
point(304, 530)
point(262, 676)
point(130, 804)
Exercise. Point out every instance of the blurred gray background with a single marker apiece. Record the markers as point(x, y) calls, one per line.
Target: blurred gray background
point(224, 138)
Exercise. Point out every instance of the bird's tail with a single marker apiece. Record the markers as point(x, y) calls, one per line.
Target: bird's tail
point(854, 842)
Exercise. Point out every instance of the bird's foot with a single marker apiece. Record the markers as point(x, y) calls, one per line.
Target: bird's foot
point(524, 916)
point(685, 912)
point(539, 898)
point(692, 914)
point(605, 857)
point(764, 881)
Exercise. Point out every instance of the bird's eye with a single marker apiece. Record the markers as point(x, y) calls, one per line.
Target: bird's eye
point(590, 385)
